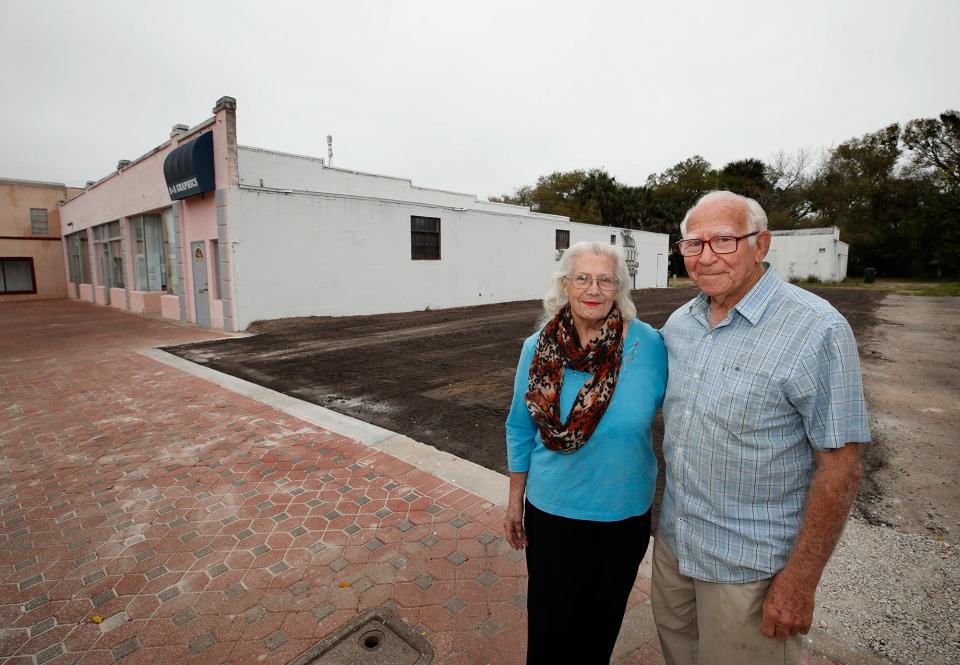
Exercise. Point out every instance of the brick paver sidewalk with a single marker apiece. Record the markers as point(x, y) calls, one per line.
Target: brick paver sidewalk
point(150, 516)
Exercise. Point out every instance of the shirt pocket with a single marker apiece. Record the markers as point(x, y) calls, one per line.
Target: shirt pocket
point(747, 401)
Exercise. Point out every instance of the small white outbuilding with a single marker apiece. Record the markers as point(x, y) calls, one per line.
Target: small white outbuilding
point(809, 253)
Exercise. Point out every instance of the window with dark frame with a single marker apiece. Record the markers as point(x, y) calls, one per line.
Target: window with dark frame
point(16, 275)
point(563, 239)
point(108, 245)
point(39, 222)
point(424, 238)
point(613, 239)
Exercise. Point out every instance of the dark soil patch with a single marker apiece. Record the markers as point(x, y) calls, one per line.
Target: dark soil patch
point(442, 377)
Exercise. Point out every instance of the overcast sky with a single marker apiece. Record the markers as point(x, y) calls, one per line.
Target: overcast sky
point(478, 97)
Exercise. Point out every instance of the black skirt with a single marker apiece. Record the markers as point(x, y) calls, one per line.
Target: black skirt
point(580, 573)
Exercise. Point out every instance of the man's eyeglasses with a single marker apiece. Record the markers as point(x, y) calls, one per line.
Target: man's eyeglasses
point(583, 281)
point(718, 244)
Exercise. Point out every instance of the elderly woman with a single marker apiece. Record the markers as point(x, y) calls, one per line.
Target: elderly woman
point(582, 468)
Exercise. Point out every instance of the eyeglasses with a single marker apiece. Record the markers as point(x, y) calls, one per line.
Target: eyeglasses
point(718, 244)
point(583, 281)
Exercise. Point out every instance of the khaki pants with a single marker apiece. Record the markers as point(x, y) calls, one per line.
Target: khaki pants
point(707, 623)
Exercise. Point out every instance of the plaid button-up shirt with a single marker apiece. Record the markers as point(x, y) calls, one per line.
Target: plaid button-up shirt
point(747, 404)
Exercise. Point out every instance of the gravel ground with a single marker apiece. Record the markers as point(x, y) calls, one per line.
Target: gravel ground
point(893, 593)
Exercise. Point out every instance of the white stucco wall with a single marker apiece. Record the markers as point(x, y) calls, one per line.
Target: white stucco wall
point(298, 253)
point(809, 252)
point(283, 171)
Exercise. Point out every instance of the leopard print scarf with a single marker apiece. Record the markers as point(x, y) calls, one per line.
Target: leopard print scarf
point(557, 347)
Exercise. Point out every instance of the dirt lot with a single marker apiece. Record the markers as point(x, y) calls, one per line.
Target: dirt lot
point(441, 377)
point(912, 378)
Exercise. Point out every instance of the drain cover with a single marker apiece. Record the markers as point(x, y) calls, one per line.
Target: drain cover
point(376, 637)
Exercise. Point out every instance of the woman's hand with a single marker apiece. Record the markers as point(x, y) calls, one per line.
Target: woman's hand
point(513, 526)
point(513, 521)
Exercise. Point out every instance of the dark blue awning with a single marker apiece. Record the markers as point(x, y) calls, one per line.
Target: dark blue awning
point(188, 169)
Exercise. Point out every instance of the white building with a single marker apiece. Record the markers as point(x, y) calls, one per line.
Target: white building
point(203, 230)
point(806, 253)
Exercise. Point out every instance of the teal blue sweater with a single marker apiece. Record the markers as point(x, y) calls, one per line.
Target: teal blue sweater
point(612, 477)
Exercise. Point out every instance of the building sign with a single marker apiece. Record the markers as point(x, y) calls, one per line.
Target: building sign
point(188, 169)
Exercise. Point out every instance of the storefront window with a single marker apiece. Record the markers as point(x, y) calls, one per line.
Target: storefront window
point(148, 252)
point(109, 250)
point(78, 252)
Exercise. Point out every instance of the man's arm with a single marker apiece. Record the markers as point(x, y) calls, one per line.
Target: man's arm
point(788, 608)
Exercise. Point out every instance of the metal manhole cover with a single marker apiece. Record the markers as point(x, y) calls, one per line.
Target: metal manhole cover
point(376, 637)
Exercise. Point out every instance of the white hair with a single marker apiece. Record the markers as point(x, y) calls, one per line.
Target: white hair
point(756, 217)
point(556, 297)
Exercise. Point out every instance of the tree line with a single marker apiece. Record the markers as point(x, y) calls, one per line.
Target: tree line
point(894, 194)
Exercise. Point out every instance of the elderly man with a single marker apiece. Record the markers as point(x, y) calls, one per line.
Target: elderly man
point(763, 413)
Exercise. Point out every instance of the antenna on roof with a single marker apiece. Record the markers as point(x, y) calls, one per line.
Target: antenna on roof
point(330, 149)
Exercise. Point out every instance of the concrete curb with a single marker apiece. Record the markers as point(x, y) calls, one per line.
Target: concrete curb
point(474, 478)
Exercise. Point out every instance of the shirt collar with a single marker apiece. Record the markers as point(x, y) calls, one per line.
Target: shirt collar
point(753, 304)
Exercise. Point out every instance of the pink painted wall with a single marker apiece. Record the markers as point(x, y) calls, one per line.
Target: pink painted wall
point(137, 189)
point(170, 307)
point(118, 298)
point(145, 302)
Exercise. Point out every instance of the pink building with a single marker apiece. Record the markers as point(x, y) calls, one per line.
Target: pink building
point(147, 238)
